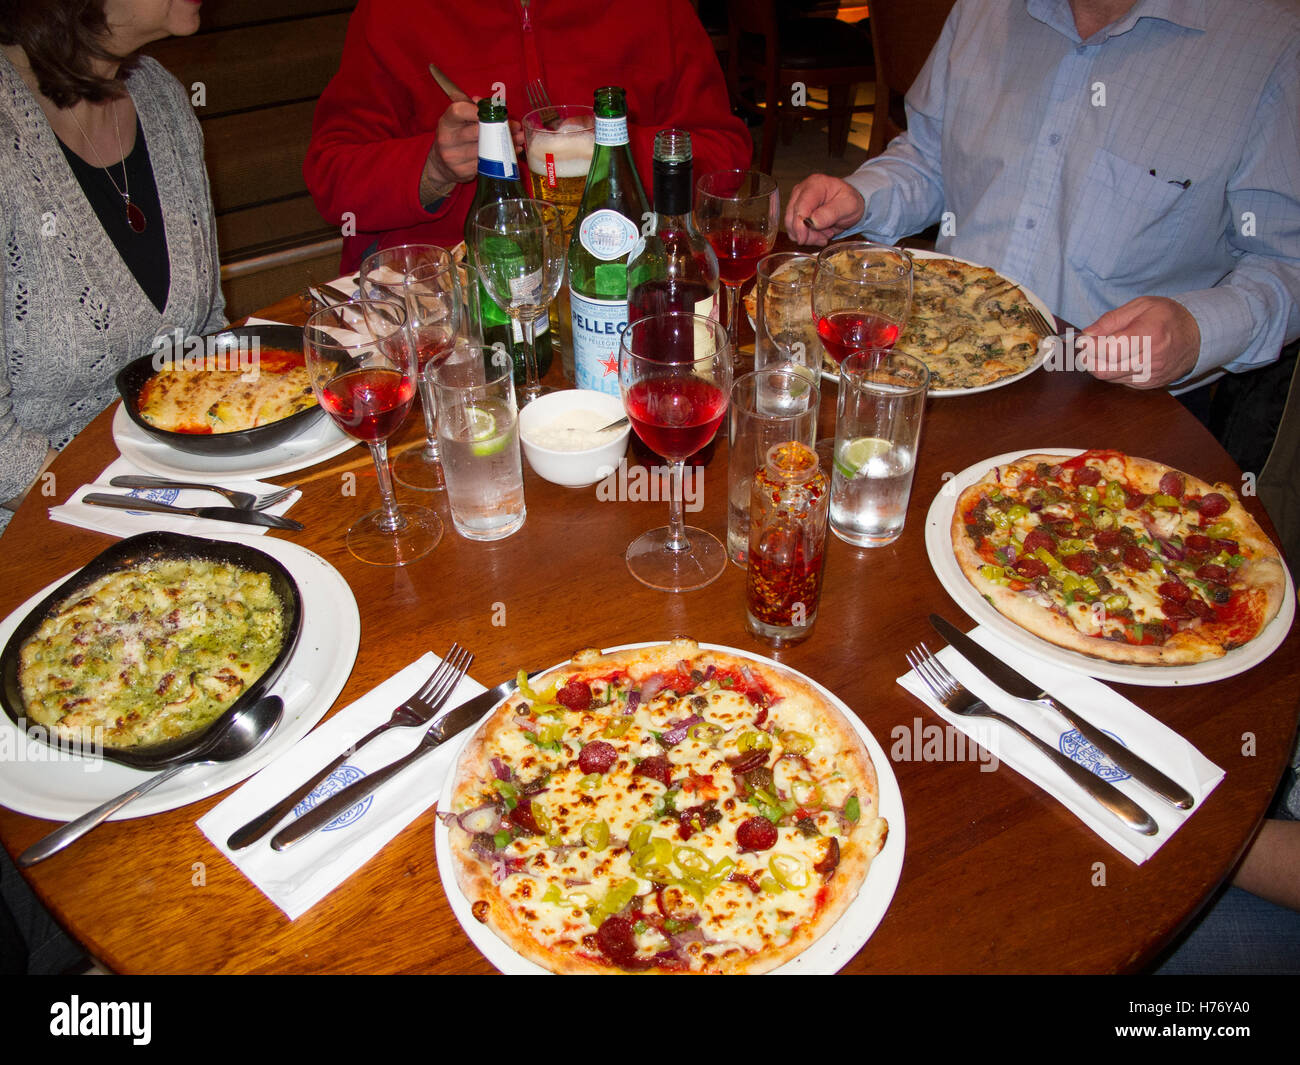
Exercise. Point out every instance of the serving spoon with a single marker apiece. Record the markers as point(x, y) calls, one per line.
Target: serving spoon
point(236, 738)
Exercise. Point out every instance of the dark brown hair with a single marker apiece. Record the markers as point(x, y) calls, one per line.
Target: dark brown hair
point(60, 39)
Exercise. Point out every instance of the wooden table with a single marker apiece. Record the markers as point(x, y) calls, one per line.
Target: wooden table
point(998, 877)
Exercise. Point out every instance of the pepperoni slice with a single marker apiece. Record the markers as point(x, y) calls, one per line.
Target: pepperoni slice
point(1031, 568)
point(617, 942)
point(522, 818)
point(1213, 504)
point(597, 757)
point(1212, 572)
point(1134, 500)
point(1179, 593)
point(1039, 538)
point(576, 695)
point(1198, 542)
point(1173, 484)
point(1087, 475)
point(1082, 563)
point(1109, 538)
point(1173, 609)
point(656, 767)
point(756, 834)
point(1136, 559)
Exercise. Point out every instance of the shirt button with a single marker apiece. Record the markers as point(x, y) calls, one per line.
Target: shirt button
point(1030, 224)
point(1055, 138)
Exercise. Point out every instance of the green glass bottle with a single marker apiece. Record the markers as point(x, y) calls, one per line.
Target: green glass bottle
point(610, 222)
point(499, 179)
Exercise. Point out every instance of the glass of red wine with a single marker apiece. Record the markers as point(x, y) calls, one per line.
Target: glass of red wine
point(674, 371)
point(739, 213)
point(362, 364)
point(422, 277)
point(862, 296)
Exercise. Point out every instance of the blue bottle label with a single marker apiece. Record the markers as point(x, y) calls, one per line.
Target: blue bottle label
point(597, 328)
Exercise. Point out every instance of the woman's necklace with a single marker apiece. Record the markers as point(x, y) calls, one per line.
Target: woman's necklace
point(134, 216)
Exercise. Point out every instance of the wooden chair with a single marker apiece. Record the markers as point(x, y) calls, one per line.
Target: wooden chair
point(254, 71)
point(767, 55)
point(903, 32)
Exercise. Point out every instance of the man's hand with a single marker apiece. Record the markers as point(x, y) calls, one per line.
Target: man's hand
point(1174, 338)
point(820, 207)
point(454, 155)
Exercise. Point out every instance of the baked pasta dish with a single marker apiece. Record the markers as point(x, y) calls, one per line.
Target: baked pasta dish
point(213, 400)
point(151, 653)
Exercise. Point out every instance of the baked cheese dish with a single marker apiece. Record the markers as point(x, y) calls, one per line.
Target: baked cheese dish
point(151, 653)
point(213, 400)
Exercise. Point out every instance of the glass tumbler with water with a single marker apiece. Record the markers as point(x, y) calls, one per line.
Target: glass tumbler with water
point(877, 430)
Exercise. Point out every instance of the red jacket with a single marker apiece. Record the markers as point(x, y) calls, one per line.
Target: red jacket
point(375, 121)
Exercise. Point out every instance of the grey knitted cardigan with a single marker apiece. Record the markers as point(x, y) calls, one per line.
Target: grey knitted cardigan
point(72, 313)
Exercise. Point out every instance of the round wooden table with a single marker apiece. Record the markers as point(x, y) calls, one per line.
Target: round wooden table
point(997, 876)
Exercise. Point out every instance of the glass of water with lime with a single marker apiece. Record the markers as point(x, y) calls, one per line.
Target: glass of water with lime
point(877, 431)
point(479, 434)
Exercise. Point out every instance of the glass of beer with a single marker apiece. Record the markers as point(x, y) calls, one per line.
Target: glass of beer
point(559, 142)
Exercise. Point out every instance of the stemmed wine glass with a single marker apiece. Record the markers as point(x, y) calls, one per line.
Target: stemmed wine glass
point(423, 277)
point(362, 365)
point(862, 296)
point(739, 213)
point(674, 371)
point(518, 249)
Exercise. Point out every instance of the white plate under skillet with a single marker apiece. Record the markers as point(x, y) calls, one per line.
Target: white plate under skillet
point(938, 545)
point(38, 780)
point(320, 441)
point(830, 953)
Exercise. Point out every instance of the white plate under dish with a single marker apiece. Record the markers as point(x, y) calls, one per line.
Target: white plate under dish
point(40, 781)
point(830, 953)
point(938, 545)
point(322, 440)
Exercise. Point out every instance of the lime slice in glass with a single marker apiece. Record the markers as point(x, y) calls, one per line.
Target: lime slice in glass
point(483, 435)
point(851, 459)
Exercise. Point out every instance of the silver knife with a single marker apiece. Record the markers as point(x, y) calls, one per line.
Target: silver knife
point(235, 514)
point(439, 732)
point(1013, 683)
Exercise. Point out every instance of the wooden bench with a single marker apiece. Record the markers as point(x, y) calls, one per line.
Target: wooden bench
point(254, 71)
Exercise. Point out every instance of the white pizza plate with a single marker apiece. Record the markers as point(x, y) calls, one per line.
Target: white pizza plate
point(42, 782)
point(320, 441)
point(938, 545)
point(826, 956)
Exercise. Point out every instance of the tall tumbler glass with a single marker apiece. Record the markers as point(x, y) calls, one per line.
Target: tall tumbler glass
point(479, 429)
point(771, 406)
point(877, 431)
point(785, 330)
point(558, 143)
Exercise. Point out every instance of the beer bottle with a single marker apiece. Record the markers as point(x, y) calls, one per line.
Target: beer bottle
point(673, 268)
point(499, 179)
point(609, 224)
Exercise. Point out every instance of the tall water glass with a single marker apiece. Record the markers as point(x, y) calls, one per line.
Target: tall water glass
point(877, 431)
point(478, 427)
point(770, 406)
point(785, 331)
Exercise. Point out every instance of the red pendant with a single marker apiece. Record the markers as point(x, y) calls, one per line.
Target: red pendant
point(135, 217)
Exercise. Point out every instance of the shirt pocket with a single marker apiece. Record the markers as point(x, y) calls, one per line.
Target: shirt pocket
point(1128, 219)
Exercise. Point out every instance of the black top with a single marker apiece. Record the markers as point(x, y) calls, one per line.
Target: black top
point(145, 254)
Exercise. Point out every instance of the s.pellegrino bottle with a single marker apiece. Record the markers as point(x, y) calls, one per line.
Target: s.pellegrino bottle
point(609, 224)
point(673, 268)
point(499, 179)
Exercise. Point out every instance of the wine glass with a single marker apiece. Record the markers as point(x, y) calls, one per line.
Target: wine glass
point(674, 371)
point(362, 365)
point(423, 277)
point(739, 213)
point(518, 249)
point(862, 296)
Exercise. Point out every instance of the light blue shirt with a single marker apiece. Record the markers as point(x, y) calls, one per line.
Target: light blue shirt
point(1159, 157)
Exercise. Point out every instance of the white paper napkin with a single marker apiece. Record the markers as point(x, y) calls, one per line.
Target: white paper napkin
point(1097, 704)
point(299, 877)
point(128, 522)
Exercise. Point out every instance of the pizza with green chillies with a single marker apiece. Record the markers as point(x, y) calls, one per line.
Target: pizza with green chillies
point(663, 809)
point(1119, 558)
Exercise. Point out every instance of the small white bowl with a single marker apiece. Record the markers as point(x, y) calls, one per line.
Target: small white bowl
point(573, 469)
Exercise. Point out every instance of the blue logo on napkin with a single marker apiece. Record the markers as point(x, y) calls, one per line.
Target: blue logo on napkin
point(1077, 749)
point(154, 495)
point(336, 782)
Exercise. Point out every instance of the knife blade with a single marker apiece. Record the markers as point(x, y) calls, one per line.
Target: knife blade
point(442, 729)
point(1021, 687)
point(235, 514)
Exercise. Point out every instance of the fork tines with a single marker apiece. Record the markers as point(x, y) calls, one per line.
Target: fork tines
point(442, 682)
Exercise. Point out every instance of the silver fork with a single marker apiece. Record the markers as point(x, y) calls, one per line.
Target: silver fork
point(957, 698)
point(538, 98)
point(1039, 322)
point(242, 500)
point(417, 710)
